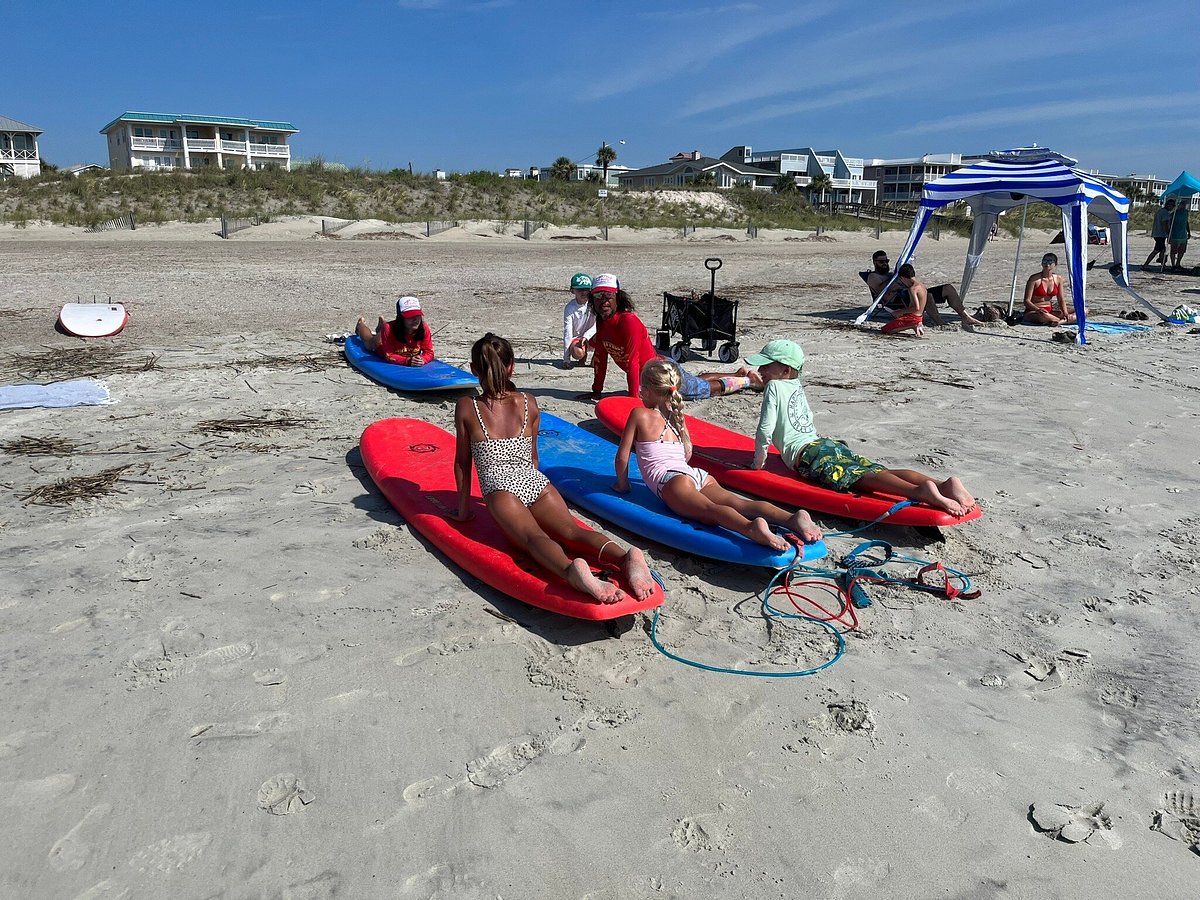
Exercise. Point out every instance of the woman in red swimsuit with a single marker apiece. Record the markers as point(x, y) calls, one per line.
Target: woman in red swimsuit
point(1044, 303)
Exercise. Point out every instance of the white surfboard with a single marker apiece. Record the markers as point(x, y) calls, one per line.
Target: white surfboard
point(93, 319)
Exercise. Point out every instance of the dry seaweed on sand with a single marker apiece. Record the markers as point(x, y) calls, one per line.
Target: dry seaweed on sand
point(306, 362)
point(77, 362)
point(81, 487)
point(39, 446)
point(249, 423)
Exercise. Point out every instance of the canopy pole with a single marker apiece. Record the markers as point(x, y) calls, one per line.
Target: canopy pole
point(1012, 294)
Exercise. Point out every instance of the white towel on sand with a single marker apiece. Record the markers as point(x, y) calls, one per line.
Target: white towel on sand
point(79, 392)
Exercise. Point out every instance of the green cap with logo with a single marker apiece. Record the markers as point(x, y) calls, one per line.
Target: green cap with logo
point(581, 281)
point(786, 352)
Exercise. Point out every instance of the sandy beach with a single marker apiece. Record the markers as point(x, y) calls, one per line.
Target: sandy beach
point(240, 675)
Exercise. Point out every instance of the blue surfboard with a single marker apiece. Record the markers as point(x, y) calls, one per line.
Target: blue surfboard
point(580, 465)
point(433, 376)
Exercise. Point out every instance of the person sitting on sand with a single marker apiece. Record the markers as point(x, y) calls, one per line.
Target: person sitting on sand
point(913, 315)
point(497, 432)
point(579, 322)
point(899, 298)
point(658, 434)
point(621, 335)
point(405, 341)
point(1044, 303)
point(786, 423)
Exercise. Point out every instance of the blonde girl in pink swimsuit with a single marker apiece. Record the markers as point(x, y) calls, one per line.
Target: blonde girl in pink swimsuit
point(658, 435)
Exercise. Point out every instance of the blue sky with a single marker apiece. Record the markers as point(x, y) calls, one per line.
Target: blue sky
point(489, 84)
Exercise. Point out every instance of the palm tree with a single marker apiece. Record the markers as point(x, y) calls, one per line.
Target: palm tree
point(822, 183)
point(563, 169)
point(786, 184)
point(604, 156)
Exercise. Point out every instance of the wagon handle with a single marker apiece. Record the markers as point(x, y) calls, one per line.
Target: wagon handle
point(712, 291)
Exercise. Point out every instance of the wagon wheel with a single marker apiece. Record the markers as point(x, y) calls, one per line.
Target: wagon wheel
point(729, 352)
point(678, 351)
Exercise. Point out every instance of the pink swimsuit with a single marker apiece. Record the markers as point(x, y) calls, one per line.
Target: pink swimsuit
point(660, 461)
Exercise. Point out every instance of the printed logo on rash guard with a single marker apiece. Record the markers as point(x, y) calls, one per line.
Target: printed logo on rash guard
point(800, 417)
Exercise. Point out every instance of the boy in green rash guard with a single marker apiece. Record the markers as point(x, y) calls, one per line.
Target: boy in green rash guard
point(786, 423)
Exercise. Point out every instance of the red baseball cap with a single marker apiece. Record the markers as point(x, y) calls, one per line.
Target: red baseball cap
point(605, 282)
point(409, 307)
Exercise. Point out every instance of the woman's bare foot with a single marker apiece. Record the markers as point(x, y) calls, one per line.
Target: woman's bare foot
point(637, 573)
point(957, 491)
point(803, 525)
point(760, 532)
point(579, 576)
point(929, 493)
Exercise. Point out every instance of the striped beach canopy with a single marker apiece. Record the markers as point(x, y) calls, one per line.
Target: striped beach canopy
point(1009, 178)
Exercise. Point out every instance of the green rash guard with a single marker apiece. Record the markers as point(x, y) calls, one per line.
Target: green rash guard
point(785, 422)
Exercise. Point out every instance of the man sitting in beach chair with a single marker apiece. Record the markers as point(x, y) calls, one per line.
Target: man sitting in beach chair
point(898, 300)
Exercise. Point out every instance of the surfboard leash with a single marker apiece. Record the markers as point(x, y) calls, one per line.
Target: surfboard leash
point(845, 584)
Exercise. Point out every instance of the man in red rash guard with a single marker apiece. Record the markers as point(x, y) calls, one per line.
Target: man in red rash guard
point(620, 334)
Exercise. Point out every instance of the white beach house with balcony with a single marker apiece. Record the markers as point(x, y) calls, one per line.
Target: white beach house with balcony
point(170, 141)
point(18, 149)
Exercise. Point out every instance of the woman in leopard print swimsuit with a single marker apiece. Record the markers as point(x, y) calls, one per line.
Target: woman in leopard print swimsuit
point(524, 504)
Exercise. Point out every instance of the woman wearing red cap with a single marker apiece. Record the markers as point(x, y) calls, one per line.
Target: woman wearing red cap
point(405, 341)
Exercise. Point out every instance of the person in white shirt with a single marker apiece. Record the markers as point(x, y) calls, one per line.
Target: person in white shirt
point(579, 322)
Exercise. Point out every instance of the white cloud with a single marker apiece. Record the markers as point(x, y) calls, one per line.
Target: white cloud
point(1181, 106)
point(689, 52)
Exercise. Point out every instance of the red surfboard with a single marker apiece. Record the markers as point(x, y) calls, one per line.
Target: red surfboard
point(412, 462)
point(726, 454)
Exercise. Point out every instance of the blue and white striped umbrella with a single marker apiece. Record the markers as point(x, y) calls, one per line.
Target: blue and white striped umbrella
point(1010, 178)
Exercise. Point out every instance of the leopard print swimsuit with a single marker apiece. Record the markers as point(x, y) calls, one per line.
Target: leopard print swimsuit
point(506, 464)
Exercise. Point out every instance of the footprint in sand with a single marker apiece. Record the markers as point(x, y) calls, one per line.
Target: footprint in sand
point(38, 792)
point(72, 850)
point(167, 664)
point(446, 882)
point(323, 887)
point(320, 595)
point(689, 834)
point(248, 728)
point(1073, 824)
point(283, 795)
point(105, 890)
point(267, 677)
point(171, 853)
point(504, 762)
point(852, 717)
point(493, 769)
point(1179, 819)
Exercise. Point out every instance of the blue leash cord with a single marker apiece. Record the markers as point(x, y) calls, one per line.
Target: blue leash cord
point(866, 567)
point(769, 610)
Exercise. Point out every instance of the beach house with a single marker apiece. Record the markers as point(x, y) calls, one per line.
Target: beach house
point(903, 180)
point(693, 166)
point(19, 149)
point(168, 141)
point(847, 183)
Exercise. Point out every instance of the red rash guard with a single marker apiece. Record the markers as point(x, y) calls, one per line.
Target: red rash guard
point(398, 351)
point(623, 337)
